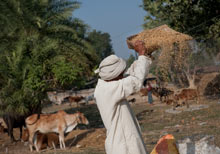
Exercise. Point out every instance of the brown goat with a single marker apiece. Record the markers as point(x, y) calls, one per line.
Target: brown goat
point(59, 122)
point(42, 141)
point(185, 95)
point(75, 99)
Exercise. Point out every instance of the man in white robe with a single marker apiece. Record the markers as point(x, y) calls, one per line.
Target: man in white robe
point(123, 130)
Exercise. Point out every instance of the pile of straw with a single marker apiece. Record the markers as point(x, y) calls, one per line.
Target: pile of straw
point(158, 37)
point(173, 45)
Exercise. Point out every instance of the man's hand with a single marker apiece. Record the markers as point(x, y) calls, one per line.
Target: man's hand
point(140, 48)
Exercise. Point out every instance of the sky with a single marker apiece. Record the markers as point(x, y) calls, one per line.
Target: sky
point(119, 18)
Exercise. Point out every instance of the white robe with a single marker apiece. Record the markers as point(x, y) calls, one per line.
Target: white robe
point(123, 130)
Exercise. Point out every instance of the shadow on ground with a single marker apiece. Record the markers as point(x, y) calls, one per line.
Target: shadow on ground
point(92, 114)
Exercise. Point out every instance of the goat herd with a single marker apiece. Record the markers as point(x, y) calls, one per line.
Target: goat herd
point(176, 98)
point(43, 128)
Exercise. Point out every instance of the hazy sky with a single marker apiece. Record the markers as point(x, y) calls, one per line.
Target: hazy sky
point(119, 18)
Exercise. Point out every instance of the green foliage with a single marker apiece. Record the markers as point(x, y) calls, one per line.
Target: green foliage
point(101, 43)
point(65, 73)
point(198, 18)
point(130, 60)
point(41, 48)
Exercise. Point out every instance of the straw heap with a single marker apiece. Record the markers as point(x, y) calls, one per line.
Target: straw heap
point(158, 37)
point(173, 45)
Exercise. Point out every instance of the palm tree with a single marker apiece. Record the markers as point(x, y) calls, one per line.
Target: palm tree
point(41, 47)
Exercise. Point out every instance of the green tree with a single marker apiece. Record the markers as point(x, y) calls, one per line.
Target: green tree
point(130, 60)
point(198, 18)
point(101, 43)
point(41, 48)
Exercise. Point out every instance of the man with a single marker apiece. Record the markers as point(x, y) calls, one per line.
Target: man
point(149, 93)
point(123, 130)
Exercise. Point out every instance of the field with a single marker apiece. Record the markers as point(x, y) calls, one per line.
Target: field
point(154, 120)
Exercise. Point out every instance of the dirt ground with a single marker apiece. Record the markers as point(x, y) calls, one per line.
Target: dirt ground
point(154, 120)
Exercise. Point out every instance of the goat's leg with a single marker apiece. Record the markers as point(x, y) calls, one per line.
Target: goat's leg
point(31, 136)
point(61, 145)
point(161, 99)
point(10, 132)
point(62, 139)
point(31, 147)
point(187, 103)
point(61, 135)
point(54, 147)
point(20, 132)
point(165, 98)
point(198, 100)
point(174, 105)
point(37, 144)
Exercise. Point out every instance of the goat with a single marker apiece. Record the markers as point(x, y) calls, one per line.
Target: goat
point(59, 122)
point(143, 92)
point(13, 121)
point(42, 140)
point(16, 120)
point(185, 95)
point(76, 99)
point(162, 93)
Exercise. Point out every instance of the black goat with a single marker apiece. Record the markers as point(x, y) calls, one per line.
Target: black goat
point(162, 93)
point(13, 120)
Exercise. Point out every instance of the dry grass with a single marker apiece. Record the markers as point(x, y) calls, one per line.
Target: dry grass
point(154, 121)
point(158, 37)
point(186, 124)
point(174, 46)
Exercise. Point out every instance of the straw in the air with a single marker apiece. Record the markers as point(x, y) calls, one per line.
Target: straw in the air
point(173, 45)
point(158, 37)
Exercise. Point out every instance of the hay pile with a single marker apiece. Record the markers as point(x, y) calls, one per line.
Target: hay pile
point(213, 87)
point(174, 47)
point(205, 80)
point(158, 37)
